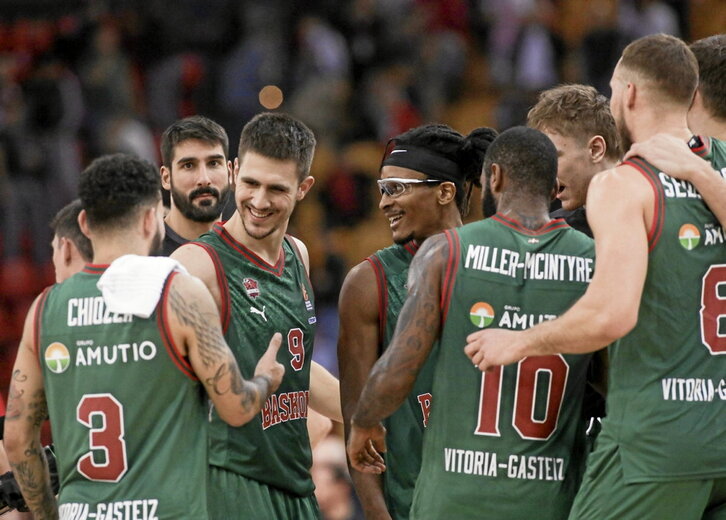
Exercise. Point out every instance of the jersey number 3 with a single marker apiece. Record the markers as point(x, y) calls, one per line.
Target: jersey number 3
point(529, 370)
point(106, 441)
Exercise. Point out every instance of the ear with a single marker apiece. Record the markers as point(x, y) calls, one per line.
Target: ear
point(149, 222)
point(83, 223)
point(66, 250)
point(165, 177)
point(235, 169)
point(231, 167)
point(496, 179)
point(304, 187)
point(446, 193)
point(597, 148)
point(555, 190)
point(631, 95)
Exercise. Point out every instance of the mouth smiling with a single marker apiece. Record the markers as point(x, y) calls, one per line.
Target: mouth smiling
point(259, 215)
point(393, 219)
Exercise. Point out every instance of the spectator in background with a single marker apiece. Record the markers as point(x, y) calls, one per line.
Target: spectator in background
point(640, 18)
point(259, 58)
point(602, 44)
point(106, 77)
point(55, 114)
point(322, 77)
point(24, 185)
point(333, 488)
point(537, 61)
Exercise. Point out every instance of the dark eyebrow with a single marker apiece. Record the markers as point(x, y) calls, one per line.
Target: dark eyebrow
point(252, 180)
point(207, 158)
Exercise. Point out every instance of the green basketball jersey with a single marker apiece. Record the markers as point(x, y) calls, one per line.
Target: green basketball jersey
point(509, 443)
point(667, 388)
point(405, 427)
point(127, 412)
point(259, 299)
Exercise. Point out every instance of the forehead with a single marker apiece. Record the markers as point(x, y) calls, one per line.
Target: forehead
point(267, 170)
point(401, 173)
point(563, 143)
point(196, 149)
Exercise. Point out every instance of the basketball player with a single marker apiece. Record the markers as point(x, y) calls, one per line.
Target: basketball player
point(706, 117)
point(258, 276)
point(426, 179)
point(578, 121)
point(71, 248)
point(508, 443)
point(656, 291)
point(197, 173)
point(122, 388)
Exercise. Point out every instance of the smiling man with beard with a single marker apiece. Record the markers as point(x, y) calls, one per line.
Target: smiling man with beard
point(197, 172)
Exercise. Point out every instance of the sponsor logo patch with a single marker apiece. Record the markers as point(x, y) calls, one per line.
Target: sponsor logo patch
point(481, 314)
point(57, 358)
point(689, 236)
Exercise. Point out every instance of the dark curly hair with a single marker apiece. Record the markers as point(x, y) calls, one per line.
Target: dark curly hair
point(528, 158)
point(467, 151)
point(115, 187)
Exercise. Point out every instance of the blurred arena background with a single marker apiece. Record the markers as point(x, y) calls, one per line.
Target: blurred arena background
point(82, 78)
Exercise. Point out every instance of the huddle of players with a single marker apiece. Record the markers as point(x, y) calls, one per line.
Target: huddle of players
point(509, 441)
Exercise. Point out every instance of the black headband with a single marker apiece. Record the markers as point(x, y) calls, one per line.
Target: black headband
point(424, 161)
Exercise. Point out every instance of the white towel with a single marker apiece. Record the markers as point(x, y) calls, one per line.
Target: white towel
point(132, 284)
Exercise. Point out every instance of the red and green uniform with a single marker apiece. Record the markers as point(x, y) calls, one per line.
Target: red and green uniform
point(405, 428)
point(127, 412)
point(509, 443)
point(259, 299)
point(661, 444)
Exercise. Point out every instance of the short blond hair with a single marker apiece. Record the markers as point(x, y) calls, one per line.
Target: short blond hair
point(576, 111)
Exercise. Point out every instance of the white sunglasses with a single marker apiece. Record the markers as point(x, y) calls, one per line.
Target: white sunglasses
point(395, 187)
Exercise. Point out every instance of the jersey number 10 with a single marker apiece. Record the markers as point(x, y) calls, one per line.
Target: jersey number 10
point(525, 393)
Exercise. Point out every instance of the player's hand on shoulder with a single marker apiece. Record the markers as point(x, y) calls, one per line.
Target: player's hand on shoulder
point(668, 153)
point(268, 366)
point(365, 446)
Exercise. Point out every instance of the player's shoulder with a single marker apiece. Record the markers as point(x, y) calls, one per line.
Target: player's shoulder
point(627, 177)
point(198, 262)
point(362, 276)
point(193, 255)
point(300, 249)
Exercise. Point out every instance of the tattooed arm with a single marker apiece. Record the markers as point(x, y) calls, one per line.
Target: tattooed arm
point(394, 375)
point(195, 325)
point(26, 411)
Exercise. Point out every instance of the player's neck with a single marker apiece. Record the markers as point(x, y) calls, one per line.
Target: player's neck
point(711, 128)
point(654, 122)
point(108, 248)
point(185, 228)
point(530, 213)
point(267, 248)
